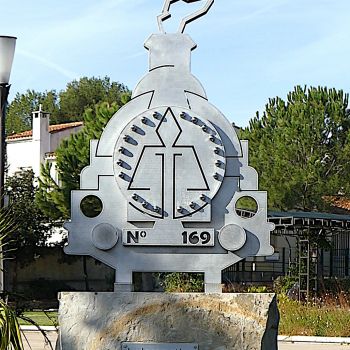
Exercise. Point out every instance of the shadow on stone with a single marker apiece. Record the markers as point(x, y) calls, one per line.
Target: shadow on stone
point(269, 340)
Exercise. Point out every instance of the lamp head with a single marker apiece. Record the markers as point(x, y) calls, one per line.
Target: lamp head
point(7, 51)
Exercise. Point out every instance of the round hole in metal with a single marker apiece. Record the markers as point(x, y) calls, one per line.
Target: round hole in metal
point(91, 206)
point(246, 207)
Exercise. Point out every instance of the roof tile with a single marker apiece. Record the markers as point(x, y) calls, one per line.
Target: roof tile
point(52, 129)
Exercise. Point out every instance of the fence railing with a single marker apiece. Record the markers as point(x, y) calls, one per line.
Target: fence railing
point(331, 263)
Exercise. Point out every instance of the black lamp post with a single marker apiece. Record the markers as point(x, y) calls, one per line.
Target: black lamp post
point(7, 51)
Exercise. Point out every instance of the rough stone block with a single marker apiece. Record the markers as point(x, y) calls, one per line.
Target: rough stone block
point(103, 321)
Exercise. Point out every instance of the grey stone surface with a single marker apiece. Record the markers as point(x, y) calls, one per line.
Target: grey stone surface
point(102, 321)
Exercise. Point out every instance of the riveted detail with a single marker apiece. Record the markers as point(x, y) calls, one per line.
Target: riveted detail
point(181, 210)
point(157, 115)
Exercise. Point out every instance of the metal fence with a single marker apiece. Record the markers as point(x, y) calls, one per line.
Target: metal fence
point(331, 263)
point(261, 271)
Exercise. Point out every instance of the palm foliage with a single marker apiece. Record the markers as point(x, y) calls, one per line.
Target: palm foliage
point(10, 335)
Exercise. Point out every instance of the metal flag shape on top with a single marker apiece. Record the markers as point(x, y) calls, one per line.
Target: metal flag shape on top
point(168, 172)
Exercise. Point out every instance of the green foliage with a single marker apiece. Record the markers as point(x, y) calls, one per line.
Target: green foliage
point(326, 318)
point(72, 155)
point(91, 206)
point(50, 197)
point(301, 147)
point(42, 318)
point(10, 335)
point(19, 113)
point(87, 92)
point(257, 289)
point(283, 284)
point(32, 227)
point(182, 282)
point(65, 106)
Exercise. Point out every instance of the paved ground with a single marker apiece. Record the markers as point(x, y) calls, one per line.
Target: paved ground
point(37, 342)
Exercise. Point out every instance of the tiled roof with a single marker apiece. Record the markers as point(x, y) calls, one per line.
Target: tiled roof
point(339, 202)
point(21, 135)
point(52, 129)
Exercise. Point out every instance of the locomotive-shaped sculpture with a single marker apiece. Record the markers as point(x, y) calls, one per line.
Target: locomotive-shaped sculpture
point(168, 171)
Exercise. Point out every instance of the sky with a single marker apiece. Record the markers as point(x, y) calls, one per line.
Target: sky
point(248, 50)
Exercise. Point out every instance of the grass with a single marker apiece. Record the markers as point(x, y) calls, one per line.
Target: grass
point(329, 317)
point(40, 317)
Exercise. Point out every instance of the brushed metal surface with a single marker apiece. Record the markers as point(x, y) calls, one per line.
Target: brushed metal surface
point(169, 164)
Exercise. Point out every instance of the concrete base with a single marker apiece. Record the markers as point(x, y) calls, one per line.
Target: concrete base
point(102, 321)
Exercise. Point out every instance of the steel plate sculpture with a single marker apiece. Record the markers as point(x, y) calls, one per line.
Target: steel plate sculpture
point(168, 171)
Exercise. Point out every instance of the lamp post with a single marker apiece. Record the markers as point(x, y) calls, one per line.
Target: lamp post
point(7, 51)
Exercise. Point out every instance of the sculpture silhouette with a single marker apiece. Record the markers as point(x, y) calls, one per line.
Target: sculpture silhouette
point(188, 19)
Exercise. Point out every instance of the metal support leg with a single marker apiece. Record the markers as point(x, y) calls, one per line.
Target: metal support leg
point(123, 281)
point(212, 282)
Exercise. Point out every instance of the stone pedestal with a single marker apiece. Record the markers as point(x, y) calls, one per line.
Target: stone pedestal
point(103, 321)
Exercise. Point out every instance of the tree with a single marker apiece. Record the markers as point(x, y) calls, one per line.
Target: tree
point(301, 148)
point(86, 93)
point(19, 114)
point(72, 156)
point(32, 226)
point(65, 106)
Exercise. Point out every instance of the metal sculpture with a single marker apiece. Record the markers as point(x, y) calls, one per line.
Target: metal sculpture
point(188, 19)
point(168, 171)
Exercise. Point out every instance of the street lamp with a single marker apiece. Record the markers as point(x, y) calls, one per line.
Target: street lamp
point(7, 51)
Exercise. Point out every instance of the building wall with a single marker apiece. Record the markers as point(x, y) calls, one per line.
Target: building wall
point(57, 137)
point(54, 268)
point(31, 152)
point(19, 155)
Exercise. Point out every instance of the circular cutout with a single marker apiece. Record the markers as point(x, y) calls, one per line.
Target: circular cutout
point(246, 207)
point(91, 206)
point(232, 237)
point(104, 236)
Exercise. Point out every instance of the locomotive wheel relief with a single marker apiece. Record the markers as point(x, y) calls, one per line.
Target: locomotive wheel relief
point(169, 163)
point(164, 180)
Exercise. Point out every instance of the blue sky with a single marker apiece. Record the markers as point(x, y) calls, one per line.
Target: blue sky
point(248, 50)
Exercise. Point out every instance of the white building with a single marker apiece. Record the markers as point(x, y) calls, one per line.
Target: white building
point(29, 149)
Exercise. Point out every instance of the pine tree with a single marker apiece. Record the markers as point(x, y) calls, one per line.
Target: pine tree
point(19, 113)
point(72, 156)
point(301, 148)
